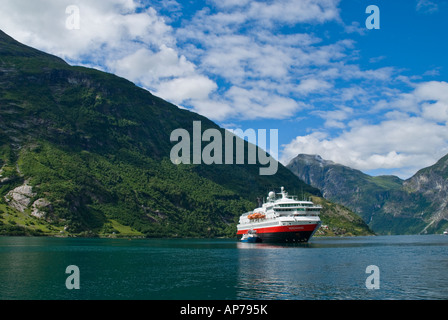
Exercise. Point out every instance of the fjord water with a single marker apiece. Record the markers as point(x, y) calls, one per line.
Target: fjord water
point(410, 267)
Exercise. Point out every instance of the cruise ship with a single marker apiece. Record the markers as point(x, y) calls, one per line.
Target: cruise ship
point(281, 218)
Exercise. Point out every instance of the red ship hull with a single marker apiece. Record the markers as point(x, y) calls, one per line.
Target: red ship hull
point(279, 234)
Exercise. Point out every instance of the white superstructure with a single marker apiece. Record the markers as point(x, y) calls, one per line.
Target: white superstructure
point(282, 219)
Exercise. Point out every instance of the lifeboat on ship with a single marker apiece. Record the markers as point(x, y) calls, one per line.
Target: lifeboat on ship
point(281, 218)
point(256, 215)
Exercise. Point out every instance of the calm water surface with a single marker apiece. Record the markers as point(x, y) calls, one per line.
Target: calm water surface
point(410, 267)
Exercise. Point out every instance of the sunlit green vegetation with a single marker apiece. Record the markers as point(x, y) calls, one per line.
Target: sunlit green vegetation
point(96, 147)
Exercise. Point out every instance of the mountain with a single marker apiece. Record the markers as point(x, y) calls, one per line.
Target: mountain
point(431, 186)
point(388, 204)
point(84, 152)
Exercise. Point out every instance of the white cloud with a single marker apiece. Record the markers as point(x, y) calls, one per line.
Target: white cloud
point(226, 4)
point(434, 98)
point(181, 90)
point(355, 27)
point(257, 104)
point(428, 100)
point(392, 144)
point(295, 11)
point(214, 109)
point(433, 90)
point(136, 42)
point(236, 42)
point(335, 118)
point(377, 59)
point(118, 36)
point(239, 44)
point(149, 67)
point(307, 86)
point(427, 6)
point(233, 60)
point(412, 134)
point(436, 111)
point(107, 28)
point(280, 11)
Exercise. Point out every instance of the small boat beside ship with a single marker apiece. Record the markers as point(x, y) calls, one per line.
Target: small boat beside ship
point(281, 218)
point(250, 237)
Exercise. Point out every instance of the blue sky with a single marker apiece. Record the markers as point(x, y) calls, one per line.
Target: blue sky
point(375, 100)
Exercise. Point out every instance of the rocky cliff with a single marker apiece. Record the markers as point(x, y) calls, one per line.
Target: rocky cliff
point(84, 152)
point(387, 204)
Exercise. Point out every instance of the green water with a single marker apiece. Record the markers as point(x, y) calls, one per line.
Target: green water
point(410, 267)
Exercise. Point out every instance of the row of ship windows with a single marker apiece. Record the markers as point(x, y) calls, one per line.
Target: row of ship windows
point(276, 216)
point(298, 209)
point(295, 205)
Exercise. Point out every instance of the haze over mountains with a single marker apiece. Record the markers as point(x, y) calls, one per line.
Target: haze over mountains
point(388, 204)
point(83, 152)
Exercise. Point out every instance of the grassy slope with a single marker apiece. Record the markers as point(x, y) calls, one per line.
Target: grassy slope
point(96, 147)
point(339, 220)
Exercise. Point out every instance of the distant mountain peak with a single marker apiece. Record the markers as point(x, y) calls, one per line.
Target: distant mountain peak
point(312, 158)
point(94, 148)
point(13, 48)
point(387, 203)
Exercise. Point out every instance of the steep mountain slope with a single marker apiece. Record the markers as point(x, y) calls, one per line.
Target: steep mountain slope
point(388, 204)
point(84, 152)
point(431, 185)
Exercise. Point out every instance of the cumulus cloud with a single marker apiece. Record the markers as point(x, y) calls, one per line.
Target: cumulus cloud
point(284, 11)
point(434, 98)
point(335, 118)
point(294, 11)
point(268, 73)
point(148, 67)
point(119, 36)
point(261, 104)
point(402, 142)
point(242, 60)
point(427, 6)
point(179, 90)
point(107, 29)
point(233, 42)
point(184, 65)
point(393, 144)
point(312, 85)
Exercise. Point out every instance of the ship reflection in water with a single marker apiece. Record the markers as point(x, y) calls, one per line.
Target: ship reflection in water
point(335, 268)
point(273, 271)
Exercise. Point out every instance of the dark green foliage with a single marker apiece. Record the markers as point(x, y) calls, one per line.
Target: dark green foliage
point(388, 204)
point(13, 230)
point(97, 148)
